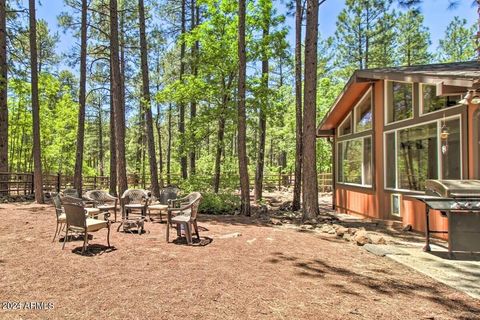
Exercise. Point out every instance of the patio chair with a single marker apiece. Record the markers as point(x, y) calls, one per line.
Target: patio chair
point(78, 222)
point(59, 214)
point(71, 193)
point(184, 212)
point(89, 211)
point(134, 203)
point(103, 200)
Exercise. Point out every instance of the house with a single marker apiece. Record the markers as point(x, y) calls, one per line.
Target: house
point(394, 128)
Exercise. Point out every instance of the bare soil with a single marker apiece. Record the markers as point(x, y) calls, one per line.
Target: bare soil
point(266, 273)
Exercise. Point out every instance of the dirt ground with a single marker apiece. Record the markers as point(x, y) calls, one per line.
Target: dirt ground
point(266, 273)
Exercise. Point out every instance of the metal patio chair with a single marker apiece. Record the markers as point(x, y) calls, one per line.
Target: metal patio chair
point(59, 214)
point(78, 222)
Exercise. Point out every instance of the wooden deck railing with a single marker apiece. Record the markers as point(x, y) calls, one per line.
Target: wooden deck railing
point(18, 184)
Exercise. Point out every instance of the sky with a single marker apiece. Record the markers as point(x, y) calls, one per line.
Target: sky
point(437, 17)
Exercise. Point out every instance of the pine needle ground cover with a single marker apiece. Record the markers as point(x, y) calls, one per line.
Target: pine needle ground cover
point(242, 269)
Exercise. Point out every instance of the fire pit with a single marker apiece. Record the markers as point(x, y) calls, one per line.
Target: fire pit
point(459, 201)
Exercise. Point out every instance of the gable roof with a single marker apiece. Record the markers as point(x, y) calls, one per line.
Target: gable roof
point(455, 75)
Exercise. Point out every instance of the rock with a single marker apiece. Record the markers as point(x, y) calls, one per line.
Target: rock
point(307, 227)
point(352, 231)
point(275, 222)
point(347, 237)
point(408, 227)
point(376, 239)
point(380, 251)
point(251, 240)
point(341, 231)
point(361, 238)
point(326, 228)
point(336, 226)
point(332, 231)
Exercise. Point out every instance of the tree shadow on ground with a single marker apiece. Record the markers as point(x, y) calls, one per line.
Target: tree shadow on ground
point(202, 242)
point(458, 256)
point(93, 250)
point(348, 280)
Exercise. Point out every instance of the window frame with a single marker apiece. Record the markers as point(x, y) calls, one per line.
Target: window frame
point(385, 109)
point(354, 118)
point(422, 112)
point(362, 185)
point(439, 147)
point(349, 115)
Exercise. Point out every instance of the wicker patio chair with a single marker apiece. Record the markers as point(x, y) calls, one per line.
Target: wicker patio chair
point(160, 204)
point(134, 203)
point(71, 193)
point(103, 200)
point(89, 211)
point(59, 214)
point(77, 222)
point(184, 212)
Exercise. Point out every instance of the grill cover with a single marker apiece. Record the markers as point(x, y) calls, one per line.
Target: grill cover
point(453, 188)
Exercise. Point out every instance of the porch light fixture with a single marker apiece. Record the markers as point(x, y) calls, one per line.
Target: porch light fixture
point(470, 97)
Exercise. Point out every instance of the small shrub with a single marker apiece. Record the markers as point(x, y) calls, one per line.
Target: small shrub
point(223, 203)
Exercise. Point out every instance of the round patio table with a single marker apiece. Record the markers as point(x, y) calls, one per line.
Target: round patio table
point(157, 207)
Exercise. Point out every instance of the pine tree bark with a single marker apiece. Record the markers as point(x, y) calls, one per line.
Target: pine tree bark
point(262, 118)
point(3, 97)
point(37, 155)
point(113, 153)
point(242, 125)
point(169, 145)
point(297, 187)
point(146, 102)
point(77, 178)
point(181, 122)
point(194, 13)
point(310, 186)
point(118, 105)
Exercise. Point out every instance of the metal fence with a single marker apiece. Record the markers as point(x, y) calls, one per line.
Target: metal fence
point(18, 184)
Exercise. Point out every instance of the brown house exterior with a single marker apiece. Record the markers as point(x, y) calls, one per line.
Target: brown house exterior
point(393, 128)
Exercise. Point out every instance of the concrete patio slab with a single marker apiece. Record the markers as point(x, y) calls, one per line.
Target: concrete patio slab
point(461, 273)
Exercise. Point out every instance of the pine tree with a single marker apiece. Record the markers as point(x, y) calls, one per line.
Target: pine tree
point(413, 39)
point(3, 93)
point(361, 29)
point(458, 43)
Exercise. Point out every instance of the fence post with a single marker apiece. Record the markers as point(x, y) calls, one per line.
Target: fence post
point(58, 182)
point(95, 182)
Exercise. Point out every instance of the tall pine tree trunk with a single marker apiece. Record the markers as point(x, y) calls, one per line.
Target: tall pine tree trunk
point(147, 103)
point(194, 13)
point(310, 186)
point(77, 178)
point(37, 155)
point(181, 122)
point(118, 100)
point(242, 125)
point(113, 153)
point(169, 145)
point(297, 187)
point(220, 143)
point(262, 118)
point(101, 152)
point(3, 96)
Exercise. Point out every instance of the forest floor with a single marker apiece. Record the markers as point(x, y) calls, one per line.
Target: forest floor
point(243, 268)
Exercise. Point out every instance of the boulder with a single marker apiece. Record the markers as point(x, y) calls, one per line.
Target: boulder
point(275, 222)
point(341, 231)
point(361, 238)
point(347, 237)
point(376, 239)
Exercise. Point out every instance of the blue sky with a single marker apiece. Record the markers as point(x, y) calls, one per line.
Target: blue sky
point(437, 17)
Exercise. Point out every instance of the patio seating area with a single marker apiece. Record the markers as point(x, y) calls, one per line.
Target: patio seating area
point(241, 268)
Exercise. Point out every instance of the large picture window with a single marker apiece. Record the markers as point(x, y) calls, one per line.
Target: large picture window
point(355, 161)
point(427, 151)
point(431, 102)
point(399, 101)
point(363, 113)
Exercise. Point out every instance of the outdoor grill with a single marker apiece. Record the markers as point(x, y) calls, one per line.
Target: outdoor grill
point(459, 201)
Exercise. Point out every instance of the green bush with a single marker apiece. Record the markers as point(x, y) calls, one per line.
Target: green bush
point(222, 203)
